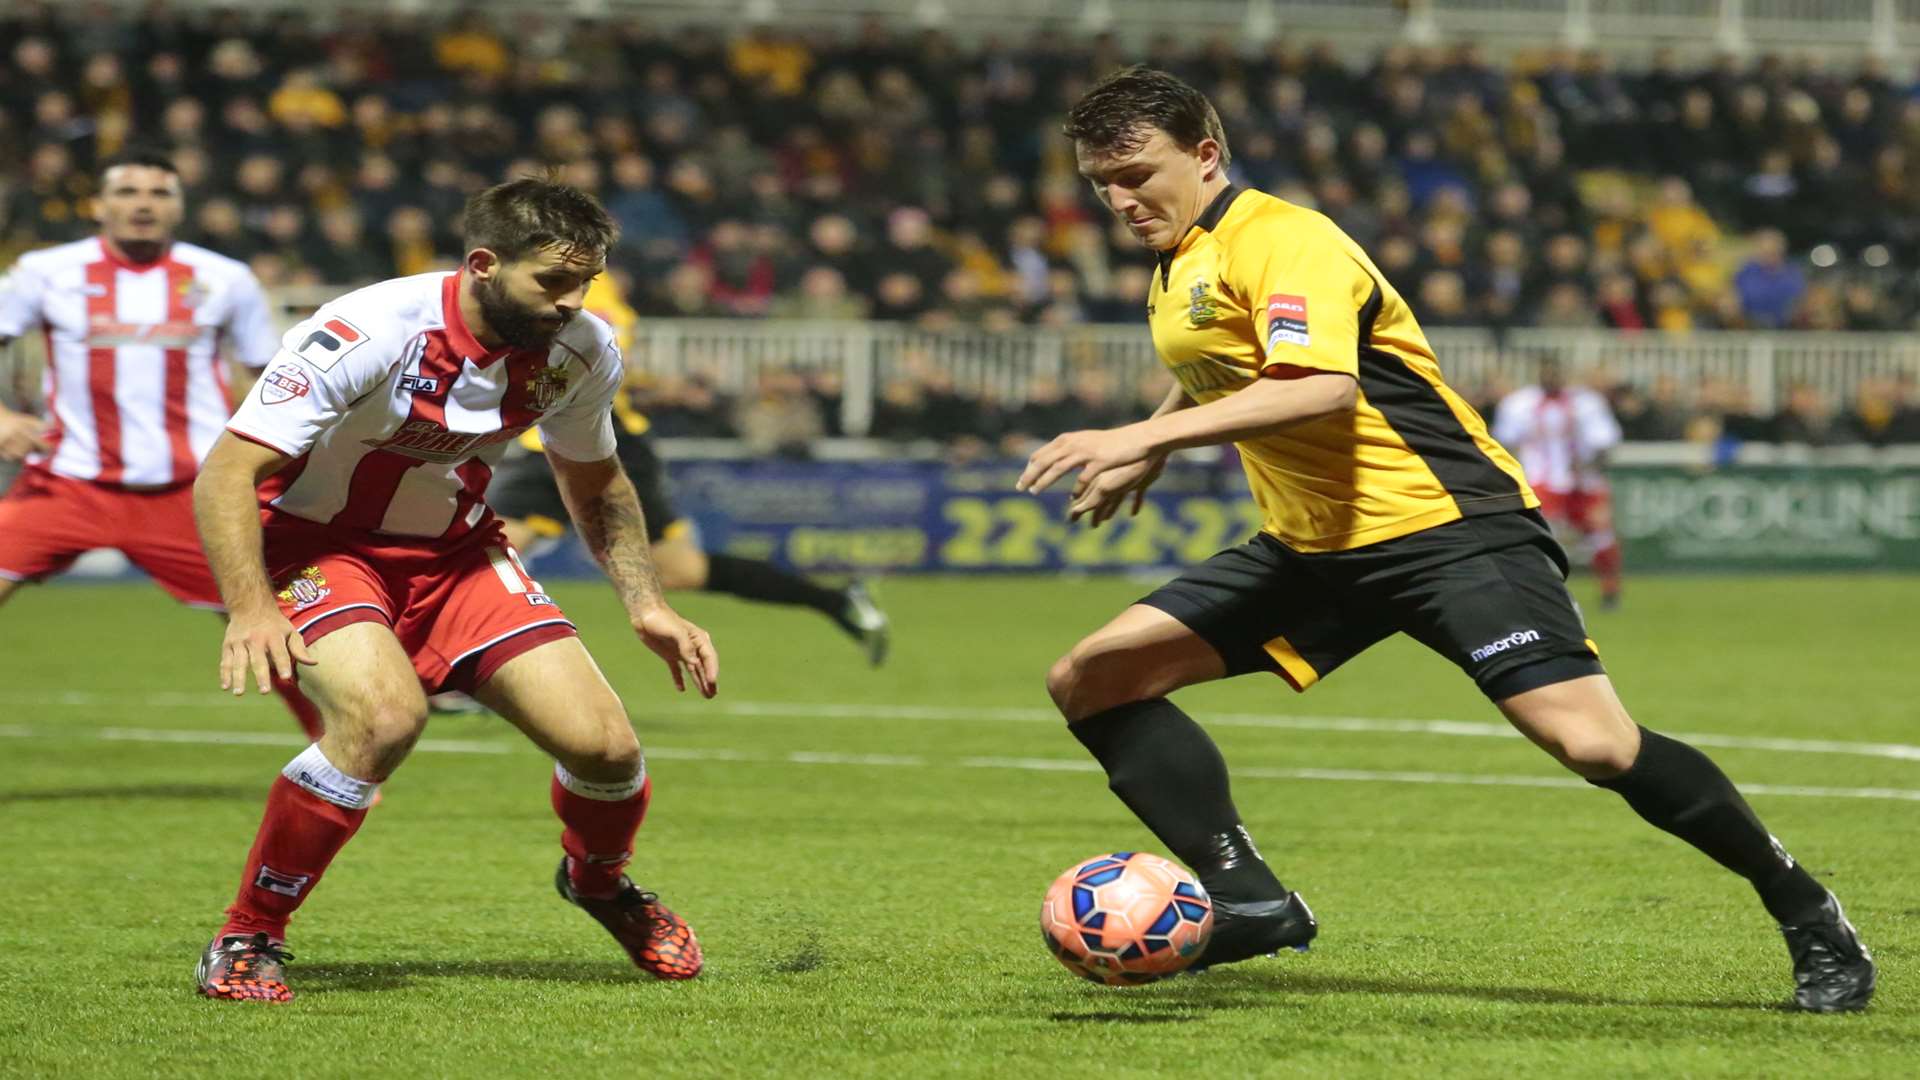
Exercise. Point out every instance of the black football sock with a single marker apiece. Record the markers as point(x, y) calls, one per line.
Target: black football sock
point(1169, 773)
point(751, 579)
point(1680, 790)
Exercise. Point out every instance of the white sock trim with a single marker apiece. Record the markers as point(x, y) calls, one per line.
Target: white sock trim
point(602, 792)
point(312, 770)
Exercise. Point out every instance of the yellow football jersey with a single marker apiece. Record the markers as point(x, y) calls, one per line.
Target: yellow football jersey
point(1260, 284)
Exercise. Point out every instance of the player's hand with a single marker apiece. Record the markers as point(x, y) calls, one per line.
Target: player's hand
point(1092, 452)
point(263, 643)
point(687, 649)
point(21, 434)
point(1102, 497)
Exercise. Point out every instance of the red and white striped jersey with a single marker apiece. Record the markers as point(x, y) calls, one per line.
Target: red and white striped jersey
point(395, 415)
point(1558, 437)
point(134, 386)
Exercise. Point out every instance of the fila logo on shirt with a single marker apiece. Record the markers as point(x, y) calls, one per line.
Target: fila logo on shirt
point(414, 384)
point(335, 338)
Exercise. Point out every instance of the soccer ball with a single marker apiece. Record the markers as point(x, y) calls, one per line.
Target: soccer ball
point(1126, 918)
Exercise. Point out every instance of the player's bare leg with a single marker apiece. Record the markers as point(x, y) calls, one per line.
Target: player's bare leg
point(1678, 789)
point(556, 694)
point(374, 710)
point(1112, 690)
point(8, 587)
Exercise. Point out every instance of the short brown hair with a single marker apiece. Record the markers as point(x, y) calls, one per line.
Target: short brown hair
point(1119, 114)
point(520, 217)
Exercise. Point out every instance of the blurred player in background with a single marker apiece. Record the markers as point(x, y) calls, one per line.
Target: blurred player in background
point(524, 494)
point(370, 441)
point(136, 391)
point(1562, 435)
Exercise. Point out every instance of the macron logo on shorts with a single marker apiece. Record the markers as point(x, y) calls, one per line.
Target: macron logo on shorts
point(1511, 641)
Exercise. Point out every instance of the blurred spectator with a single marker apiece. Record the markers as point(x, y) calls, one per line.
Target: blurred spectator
point(823, 295)
point(1806, 419)
point(1770, 288)
point(780, 416)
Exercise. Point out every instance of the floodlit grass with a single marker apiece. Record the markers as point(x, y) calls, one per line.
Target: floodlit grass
point(863, 854)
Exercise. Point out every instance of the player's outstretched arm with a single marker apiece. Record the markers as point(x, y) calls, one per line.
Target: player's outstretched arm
point(606, 512)
point(1109, 460)
point(259, 638)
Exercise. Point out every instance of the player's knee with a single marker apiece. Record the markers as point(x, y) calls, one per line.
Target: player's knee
point(1060, 680)
point(611, 753)
point(1089, 680)
point(621, 757)
point(1597, 754)
point(369, 742)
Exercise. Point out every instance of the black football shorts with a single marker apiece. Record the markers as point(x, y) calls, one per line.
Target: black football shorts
point(1488, 593)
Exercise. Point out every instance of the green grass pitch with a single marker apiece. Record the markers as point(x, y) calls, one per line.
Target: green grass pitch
point(863, 854)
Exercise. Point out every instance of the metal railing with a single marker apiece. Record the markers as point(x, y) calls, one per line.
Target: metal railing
point(1757, 369)
point(1004, 366)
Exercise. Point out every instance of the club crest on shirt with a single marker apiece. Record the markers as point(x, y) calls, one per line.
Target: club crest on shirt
point(307, 588)
point(546, 387)
point(192, 293)
point(1200, 309)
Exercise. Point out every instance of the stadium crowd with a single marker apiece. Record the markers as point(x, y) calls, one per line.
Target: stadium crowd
point(897, 175)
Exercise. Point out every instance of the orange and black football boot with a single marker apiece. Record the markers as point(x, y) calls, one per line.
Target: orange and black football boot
point(659, 942)
point(241, 968)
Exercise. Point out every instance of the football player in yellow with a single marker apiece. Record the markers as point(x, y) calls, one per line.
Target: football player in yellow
point(1388, 509)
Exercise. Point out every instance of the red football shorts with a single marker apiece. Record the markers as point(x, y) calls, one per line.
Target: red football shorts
point(1586, 511)
point(460, 609)
point(48, 520)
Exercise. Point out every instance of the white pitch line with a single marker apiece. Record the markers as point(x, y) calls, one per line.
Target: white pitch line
point(1358, 724)
point(916, 761)
point(1369, 725)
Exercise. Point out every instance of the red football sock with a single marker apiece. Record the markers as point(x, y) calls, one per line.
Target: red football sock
point(601, 821)
point(1606, 562)
point(302, 708)
point(312, 811)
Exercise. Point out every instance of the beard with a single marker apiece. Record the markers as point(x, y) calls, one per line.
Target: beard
point(519, 326)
